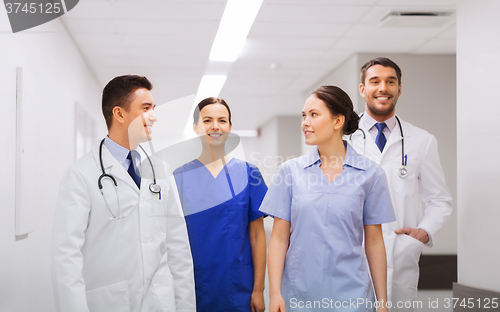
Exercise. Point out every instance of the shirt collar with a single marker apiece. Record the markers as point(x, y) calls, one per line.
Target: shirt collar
point(369, 122)
point(352, 158)
point(312, 157)
point(120, 153)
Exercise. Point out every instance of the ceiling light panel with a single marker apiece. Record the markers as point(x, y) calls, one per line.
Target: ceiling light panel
point(234, 27)
point(210, 85)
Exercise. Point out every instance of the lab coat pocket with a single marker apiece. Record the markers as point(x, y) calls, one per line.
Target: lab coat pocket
point(160, 217)
point(160, 295)
point(404, 185)
point(407, 252)
point(111, 298)
point(242, 280)
point(158, 209)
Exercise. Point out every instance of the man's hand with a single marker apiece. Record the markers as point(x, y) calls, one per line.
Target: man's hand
point(257, 302)
point(419, 234)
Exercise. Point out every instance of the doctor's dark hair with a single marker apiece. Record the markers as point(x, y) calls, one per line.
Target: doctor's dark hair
point(338, 102)
point(208, 101)
point(119, 92)
point(384, 61)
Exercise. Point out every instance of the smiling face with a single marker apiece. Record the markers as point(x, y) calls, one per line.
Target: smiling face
point(213, 124)
point(318, 124)
point(140, 117)
point(381, 90)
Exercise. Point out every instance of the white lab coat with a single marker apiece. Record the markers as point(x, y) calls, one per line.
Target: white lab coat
point(141, 263)
point(425, 182)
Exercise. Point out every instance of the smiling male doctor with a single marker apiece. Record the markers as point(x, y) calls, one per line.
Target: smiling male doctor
point(404, 239)
point(122, 247)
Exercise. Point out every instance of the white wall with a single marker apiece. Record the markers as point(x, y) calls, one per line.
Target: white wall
point(279, 140)
point(478, 108)
point(346, 77)
point(55, 78)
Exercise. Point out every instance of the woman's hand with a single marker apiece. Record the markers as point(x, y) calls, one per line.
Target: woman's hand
point(257, 301)
point(383, 308)
point(277, 304)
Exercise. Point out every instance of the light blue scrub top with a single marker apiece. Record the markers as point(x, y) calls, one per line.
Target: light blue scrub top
point(325, 263)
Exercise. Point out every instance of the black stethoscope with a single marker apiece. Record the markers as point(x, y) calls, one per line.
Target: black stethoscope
point(402, 172)
point(153, 187)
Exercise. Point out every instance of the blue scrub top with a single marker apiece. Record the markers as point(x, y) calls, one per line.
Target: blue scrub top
point(325, 264)
point(218, 212)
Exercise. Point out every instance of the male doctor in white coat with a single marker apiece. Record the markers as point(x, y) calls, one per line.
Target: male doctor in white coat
point(123, 247)
point(423, 180)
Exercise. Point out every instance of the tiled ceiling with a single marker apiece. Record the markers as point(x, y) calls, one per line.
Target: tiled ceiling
point(291, 46)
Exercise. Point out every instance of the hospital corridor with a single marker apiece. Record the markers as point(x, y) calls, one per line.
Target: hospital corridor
point(249, 155)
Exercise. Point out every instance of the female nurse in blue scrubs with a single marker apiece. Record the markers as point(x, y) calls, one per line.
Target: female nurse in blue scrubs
point(330, 200)
point(221, 197)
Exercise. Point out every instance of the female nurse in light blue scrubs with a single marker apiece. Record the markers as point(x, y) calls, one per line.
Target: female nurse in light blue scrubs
point(221, 197)
point(331, 200)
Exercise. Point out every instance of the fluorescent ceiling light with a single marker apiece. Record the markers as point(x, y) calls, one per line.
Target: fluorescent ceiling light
point(210, 86)
point(236, 22)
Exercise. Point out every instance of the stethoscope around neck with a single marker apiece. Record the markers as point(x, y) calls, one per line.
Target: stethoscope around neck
point(153, 187)
point(402, 172)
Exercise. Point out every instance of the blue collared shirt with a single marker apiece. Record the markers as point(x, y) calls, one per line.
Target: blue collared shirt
point(120, 153)
point(369, 123)
point(325, 258)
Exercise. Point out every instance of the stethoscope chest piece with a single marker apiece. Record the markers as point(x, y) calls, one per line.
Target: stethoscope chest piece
point(402, 172)
point(154, 188)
